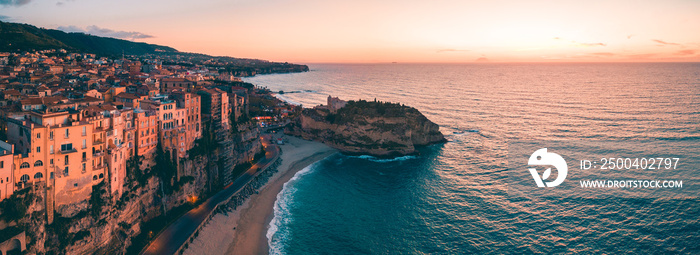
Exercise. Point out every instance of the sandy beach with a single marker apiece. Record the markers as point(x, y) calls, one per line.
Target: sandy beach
point(243, 230)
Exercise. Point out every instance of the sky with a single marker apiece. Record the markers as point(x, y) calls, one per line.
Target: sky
point(364, 31)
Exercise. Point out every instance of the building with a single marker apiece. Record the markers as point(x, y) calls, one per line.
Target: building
point(54, 150)
point(146, 137)
point(168, 122)
point(190, 120)
point(7, 182)
point(215, 104)
point(335, 103)
point(170, 84)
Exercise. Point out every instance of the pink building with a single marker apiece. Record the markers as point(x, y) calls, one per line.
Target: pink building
point(54, 150)
point(7, 183)
point(146, 135)
point(191, 122)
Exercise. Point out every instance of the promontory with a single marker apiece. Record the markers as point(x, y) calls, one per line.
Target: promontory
point(366, 127)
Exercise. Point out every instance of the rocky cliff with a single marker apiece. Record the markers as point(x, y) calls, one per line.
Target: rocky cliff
point(362, 127)
point(107, 224)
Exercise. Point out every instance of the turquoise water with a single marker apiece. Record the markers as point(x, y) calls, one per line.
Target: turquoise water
point(452, 199)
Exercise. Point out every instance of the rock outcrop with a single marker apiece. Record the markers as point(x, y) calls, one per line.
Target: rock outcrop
point(362, 127)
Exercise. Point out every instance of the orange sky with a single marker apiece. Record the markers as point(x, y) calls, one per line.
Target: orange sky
point(308, 31)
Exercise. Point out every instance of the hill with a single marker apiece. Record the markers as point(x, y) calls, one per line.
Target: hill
point(15, 37)
point(23, 37)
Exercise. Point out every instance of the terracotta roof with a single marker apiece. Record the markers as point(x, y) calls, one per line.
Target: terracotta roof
point(128, 95)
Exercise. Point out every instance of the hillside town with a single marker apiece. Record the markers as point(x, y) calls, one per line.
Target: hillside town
point(74, 123)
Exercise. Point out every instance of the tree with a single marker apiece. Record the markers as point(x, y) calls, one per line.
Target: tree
point(133, 169)
point(165, 168)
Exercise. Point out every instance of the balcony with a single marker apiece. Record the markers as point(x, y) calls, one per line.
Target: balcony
point(98, 154)
point(99, 167)
point(68, 151)
point(97, 142)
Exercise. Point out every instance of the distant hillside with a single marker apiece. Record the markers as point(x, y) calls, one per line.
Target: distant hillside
point(24, 37)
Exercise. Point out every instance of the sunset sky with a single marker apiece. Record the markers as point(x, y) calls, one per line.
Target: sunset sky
point(309, 31)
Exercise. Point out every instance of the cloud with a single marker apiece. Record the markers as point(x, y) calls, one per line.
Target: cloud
point(604, 54)
point(582, 44)
point(106, 32)
point(642, 56)
point(450, 50)
point(591, 44)
point(14, 2)
point(61, 3)
point(665, 43)
point(685, 52)
point(6, 18)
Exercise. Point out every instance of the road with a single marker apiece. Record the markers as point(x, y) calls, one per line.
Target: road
point(170, 239)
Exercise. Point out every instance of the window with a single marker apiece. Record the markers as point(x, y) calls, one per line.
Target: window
point(51, 149)
point(65, 171)
point(66, 160)
point(38, 149)
point(38, 163)
point(24, 165)
point(67, 146)
point(51, 161)
point(67, 133)
point(2, 164)
point(51, 135)
point(84, 131)
point(38, 176)
point(84, 144)
point(38, 135)
point(24, 178)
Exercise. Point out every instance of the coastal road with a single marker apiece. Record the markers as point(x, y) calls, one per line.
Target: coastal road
point(170, 239)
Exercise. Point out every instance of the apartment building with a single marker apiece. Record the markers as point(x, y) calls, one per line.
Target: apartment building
point(56, 150)
point(146, 136)
point(7, 181)
point(190, 118)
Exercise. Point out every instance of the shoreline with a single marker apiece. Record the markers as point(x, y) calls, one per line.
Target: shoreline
point(244, 230)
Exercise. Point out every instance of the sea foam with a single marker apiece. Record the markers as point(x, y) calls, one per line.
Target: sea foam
point(379, 160)
point(282, 215)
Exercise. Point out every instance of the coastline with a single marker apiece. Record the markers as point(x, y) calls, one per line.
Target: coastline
point(243, 230)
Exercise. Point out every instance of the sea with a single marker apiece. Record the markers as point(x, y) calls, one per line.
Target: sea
point(453, 198)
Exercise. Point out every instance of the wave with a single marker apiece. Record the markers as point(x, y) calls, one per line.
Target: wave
point(286, 99)
point(380, 160)
point(282, 215)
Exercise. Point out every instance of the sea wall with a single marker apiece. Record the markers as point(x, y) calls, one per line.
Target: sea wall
point(236, 200)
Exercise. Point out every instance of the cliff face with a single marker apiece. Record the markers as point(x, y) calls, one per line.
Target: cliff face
point(117, 223)
point(375, 128)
